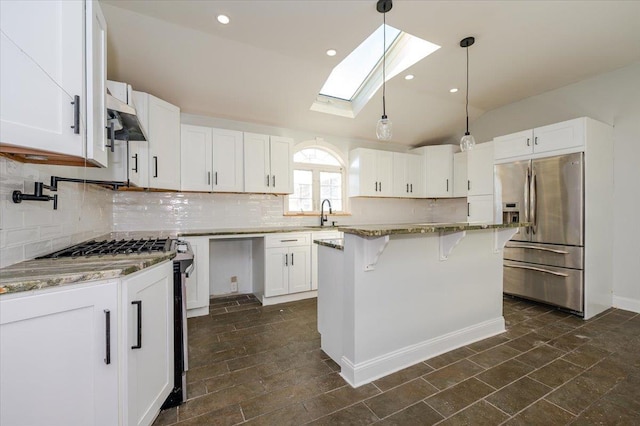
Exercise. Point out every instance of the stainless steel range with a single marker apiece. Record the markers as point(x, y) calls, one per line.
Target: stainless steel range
point(182, 264)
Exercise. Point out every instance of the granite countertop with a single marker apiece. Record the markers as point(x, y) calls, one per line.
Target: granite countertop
point(336, 243)
point(243, 231)
point(422, 228)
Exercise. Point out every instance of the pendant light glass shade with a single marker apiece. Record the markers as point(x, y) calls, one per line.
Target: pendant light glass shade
point(467, 142)
point(383, 128)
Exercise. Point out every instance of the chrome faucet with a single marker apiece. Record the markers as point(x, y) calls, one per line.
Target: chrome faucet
point(323, 216)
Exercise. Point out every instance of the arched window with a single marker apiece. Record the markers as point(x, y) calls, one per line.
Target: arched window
point(317, 175)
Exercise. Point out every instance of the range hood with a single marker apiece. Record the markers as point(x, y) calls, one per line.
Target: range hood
point(122, 116)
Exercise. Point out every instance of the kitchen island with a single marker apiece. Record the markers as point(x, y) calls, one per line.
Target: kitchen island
point(393, 296)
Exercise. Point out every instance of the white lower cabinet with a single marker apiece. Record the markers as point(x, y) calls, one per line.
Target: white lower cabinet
point(59, 356)
point(147, 342)
point(287, 264)
point(198, 279)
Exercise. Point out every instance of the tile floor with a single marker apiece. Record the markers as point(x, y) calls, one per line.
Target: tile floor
point(264, 366)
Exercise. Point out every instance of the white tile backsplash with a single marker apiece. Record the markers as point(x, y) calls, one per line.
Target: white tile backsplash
point(33, 228)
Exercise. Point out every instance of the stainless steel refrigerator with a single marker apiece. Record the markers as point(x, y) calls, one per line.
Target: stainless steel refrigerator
point(544, 262)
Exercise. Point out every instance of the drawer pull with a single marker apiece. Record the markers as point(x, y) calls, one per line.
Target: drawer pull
point(288, 241)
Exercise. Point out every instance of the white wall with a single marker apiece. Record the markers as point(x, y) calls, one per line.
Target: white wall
point(33, 228)
point(613, 98)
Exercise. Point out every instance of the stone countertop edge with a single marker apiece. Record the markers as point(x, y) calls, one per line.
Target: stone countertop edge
point(336, 243)
point(33, 275)
point(372, 231)
point(257, 231)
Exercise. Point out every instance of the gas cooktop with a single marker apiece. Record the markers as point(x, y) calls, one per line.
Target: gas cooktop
point(112, 247)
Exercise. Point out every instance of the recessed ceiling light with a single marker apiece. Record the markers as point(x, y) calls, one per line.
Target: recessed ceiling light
point(223, 19)
point(331, 52)
point(454, 90)
point(408, 77)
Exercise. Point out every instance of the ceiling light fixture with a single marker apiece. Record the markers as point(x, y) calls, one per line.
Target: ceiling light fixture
point(408, 77)
point(454, 90)
point(383, 128)
point(467, 142)
point(223, 19)
point(331, 52)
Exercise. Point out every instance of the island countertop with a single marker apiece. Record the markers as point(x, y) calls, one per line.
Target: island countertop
point(423, 228)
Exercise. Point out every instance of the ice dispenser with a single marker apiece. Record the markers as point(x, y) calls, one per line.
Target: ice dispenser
point(510, 212)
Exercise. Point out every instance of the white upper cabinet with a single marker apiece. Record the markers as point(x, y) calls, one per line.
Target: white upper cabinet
point(438, 161)
point(554, 139)
point(408, 175)
point(211, 159)
point(196, 158)
point(268, 164)
point(460, 181)
point(161, 122)
point(228, 154)
point(42, 55)
point(370, 173)
point(480, 169)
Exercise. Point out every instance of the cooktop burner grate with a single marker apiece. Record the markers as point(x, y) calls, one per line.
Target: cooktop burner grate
point(112, 247)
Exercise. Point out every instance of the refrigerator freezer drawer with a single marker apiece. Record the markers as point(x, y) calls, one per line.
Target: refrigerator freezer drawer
point(545, 254)
point(548, 284)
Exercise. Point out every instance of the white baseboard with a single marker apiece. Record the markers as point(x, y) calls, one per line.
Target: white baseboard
point(197, 312)
point(626, 303)
point(266, 301)
point(373, 369)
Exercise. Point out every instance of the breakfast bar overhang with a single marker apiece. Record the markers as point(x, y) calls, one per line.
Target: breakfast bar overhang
point(392, 296)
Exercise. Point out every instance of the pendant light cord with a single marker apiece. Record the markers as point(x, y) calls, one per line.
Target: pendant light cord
point(384, 57)
point(467, 97)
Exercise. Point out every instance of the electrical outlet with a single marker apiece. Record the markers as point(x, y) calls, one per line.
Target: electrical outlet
point(234, 284)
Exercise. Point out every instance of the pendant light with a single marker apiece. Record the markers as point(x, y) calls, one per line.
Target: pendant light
point(383, 128)
point(467, 142)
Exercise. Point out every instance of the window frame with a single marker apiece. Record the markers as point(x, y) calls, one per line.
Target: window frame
point(316, 169)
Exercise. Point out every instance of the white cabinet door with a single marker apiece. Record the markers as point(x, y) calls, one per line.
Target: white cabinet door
point(96, 90)
point(256, 163)
point(567, 134)
point(415, 175)
point(228, 174)
point(480, 208)
point(370, 173)
point(281, 161)
point(41, 60)
point(147, 339)
point(460, 181)
point(196, 158)
point(299, 269)
point(161, 122)
point(198, 279)
point(439, 170)
point(276, 271)
point(513, 145)
point(139, 163)
point(480, 169)
point(53, 357)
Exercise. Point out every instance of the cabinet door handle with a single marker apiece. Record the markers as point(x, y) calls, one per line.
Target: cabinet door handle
point(208, 178)
point(468, 209)
point(286, 260)
point(411, 185)
point(376, 186)
point(528, 142)
point(135, 163)
point(291, 259)
point(468, 185)
point(107, 334)
point(273, 181)
point(216, 178)
point(380, 186)
point(155, 166)
point(447, 185)
point(268, 180)
point(112, 136)
point(535, 140)
point(138, 344)
point(76, 114)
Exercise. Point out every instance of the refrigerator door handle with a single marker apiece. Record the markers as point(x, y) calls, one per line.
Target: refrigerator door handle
point(531, 268)
point(538, 248)
point(526, 200)
point(534, 204)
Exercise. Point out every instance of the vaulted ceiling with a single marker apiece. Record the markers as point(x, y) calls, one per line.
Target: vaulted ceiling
point(269, 63)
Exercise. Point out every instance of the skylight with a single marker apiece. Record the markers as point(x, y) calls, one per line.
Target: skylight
point(358, 77)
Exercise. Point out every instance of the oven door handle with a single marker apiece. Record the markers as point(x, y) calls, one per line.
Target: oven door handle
point(189, 270)
point(531, 268)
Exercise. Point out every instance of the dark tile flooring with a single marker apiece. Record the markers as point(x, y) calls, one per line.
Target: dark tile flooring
point(264, 366)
